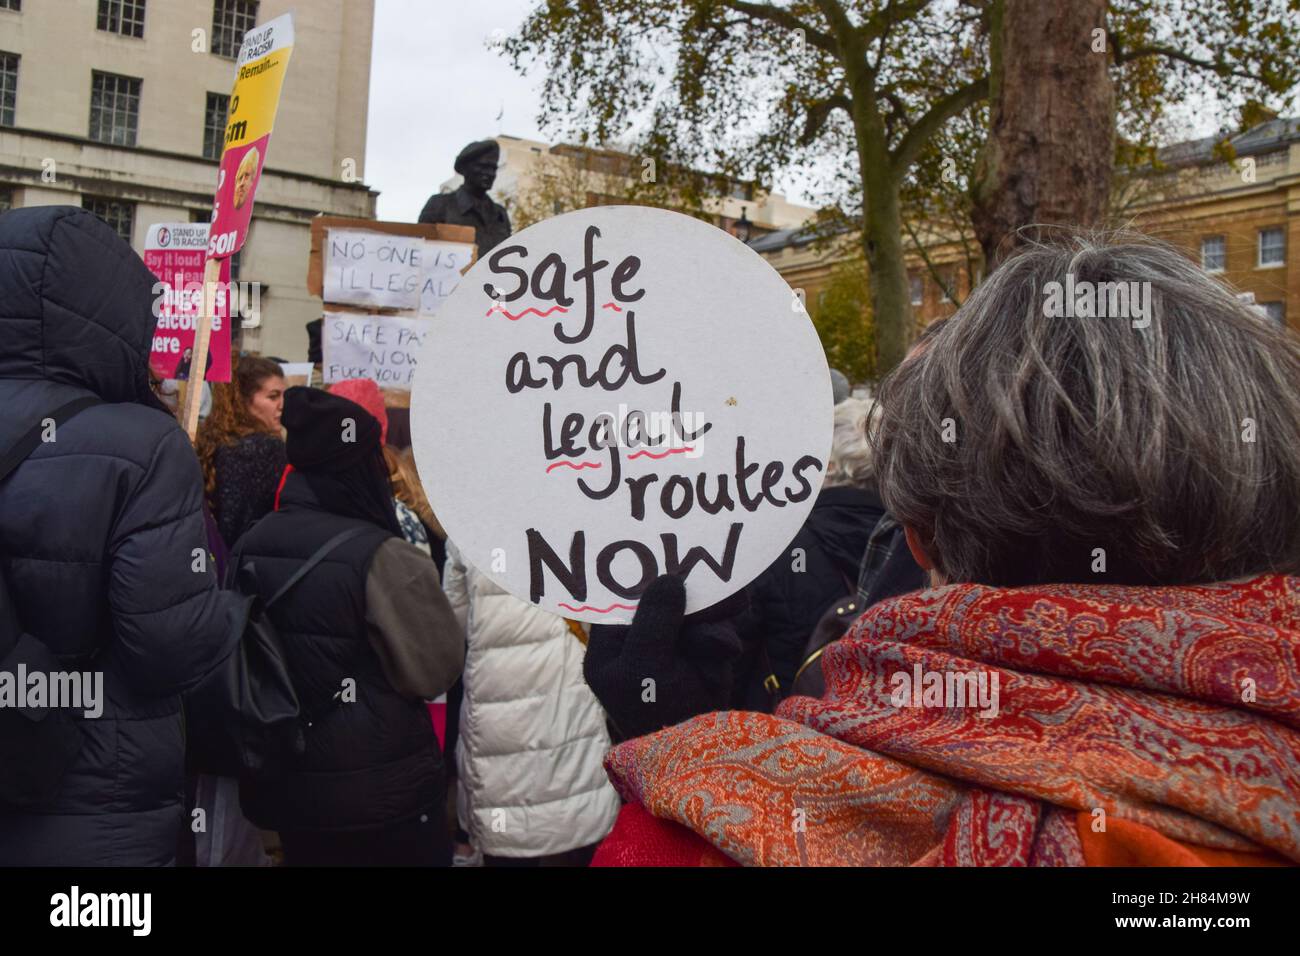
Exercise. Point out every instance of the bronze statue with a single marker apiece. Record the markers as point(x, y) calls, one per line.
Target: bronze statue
point(470, 205)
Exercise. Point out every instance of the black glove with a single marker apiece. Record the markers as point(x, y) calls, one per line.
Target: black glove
point(663, 669)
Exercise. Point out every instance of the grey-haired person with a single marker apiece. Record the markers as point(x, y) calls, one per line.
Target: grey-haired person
point(1098, 460)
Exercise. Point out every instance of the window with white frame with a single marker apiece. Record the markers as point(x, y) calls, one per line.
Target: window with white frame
point(114, 108)
point(1272, 247)
point(917, 287)
point(121, 16)
point(214, 124)
point(950, 286)
point(8, 87)
point(1214, 253)
point(120, 215)
point(231, 19)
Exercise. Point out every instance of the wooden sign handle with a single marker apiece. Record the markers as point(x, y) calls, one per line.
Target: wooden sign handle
point(199, 359)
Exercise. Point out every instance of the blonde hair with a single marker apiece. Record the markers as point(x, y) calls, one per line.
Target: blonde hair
point(407, 488)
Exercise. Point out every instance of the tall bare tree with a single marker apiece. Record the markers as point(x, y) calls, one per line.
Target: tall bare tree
point(860, 91)
point(1051, 141)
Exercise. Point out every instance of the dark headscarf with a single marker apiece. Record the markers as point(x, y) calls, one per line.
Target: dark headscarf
point(335, 444)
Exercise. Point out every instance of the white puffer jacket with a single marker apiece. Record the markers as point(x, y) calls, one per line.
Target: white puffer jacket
point(532, 734)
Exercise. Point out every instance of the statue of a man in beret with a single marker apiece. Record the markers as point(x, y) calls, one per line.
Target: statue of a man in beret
point(470, 205)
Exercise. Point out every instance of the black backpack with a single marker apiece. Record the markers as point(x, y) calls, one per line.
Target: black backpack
point(38, 745)
point(245, 718)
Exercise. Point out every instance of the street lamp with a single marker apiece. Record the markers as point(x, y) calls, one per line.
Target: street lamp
point(743, 226)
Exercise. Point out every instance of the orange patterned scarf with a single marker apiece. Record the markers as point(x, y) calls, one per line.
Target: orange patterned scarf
point(971, 725)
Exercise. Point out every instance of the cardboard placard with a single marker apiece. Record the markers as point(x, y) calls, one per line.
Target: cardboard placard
point(382, 348)
point(376, 270)
point(297, 373)
point(321, 225)
point(633, 392)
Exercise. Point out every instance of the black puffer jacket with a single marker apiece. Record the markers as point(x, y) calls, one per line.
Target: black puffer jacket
point(369, 763)
point(788, 599)
point(99, 532)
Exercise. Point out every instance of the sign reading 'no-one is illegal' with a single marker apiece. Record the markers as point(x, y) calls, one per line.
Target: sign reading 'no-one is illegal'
point(618, 393)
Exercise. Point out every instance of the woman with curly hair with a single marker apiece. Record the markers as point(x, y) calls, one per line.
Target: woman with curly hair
point(240, 446)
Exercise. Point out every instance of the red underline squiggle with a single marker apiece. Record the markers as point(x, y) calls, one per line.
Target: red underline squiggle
point(515, 318)
point(578, 467)
point(598, 610)
point(611, 305)
point(670, 451)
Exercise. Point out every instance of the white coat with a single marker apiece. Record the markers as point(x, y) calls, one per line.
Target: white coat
point(532, 734)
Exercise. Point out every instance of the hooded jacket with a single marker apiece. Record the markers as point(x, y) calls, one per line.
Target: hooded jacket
point(102, 537)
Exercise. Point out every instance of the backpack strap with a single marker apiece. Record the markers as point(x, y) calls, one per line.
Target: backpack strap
point(16, 453)
point(320, 554)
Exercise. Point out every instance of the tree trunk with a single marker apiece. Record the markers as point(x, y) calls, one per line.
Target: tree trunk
point(891, 305)
point(882, 229)
point(1051, 142)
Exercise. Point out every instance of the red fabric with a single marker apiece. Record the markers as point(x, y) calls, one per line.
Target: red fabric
point(438, 714)
point(640, 839)
point(1175, 712)
point(280, 487)
point(365, 393)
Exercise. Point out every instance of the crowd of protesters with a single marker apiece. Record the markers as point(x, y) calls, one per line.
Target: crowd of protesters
point(1099, 521)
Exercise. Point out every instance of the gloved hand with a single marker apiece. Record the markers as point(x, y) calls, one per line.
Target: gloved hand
point(663, 668)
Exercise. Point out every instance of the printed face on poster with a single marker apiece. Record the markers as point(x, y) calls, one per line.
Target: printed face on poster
point(263, 58)
point(174, 252)
point(633, 392)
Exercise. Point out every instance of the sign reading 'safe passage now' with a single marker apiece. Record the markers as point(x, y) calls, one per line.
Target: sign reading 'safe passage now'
point(615, 394)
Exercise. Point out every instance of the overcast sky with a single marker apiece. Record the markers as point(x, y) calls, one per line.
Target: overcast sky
point(434, 87)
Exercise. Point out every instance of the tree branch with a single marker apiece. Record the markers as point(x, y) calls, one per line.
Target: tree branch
point(896, 12)
point(928, 125)
point(1218, 66)
point(949, 293)
point(819, 112)
point(784, 18)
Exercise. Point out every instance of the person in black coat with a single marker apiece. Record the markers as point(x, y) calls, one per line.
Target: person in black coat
point(819, 567)
point(368, 634)
point(102, 538)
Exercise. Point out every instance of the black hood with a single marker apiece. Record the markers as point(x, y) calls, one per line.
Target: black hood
point(77, 304)
point(841, 521)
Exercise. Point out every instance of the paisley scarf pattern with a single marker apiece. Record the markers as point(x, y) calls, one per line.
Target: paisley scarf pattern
point(1171, 710)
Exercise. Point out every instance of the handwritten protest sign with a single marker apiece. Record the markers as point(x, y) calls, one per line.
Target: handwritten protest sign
point(386, 271)
point(443, 262)
point(379, 347)
point(174, 252)
point(621, 392)
point(373, 269)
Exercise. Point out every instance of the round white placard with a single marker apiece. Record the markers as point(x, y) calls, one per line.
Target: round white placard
point(649, 358)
